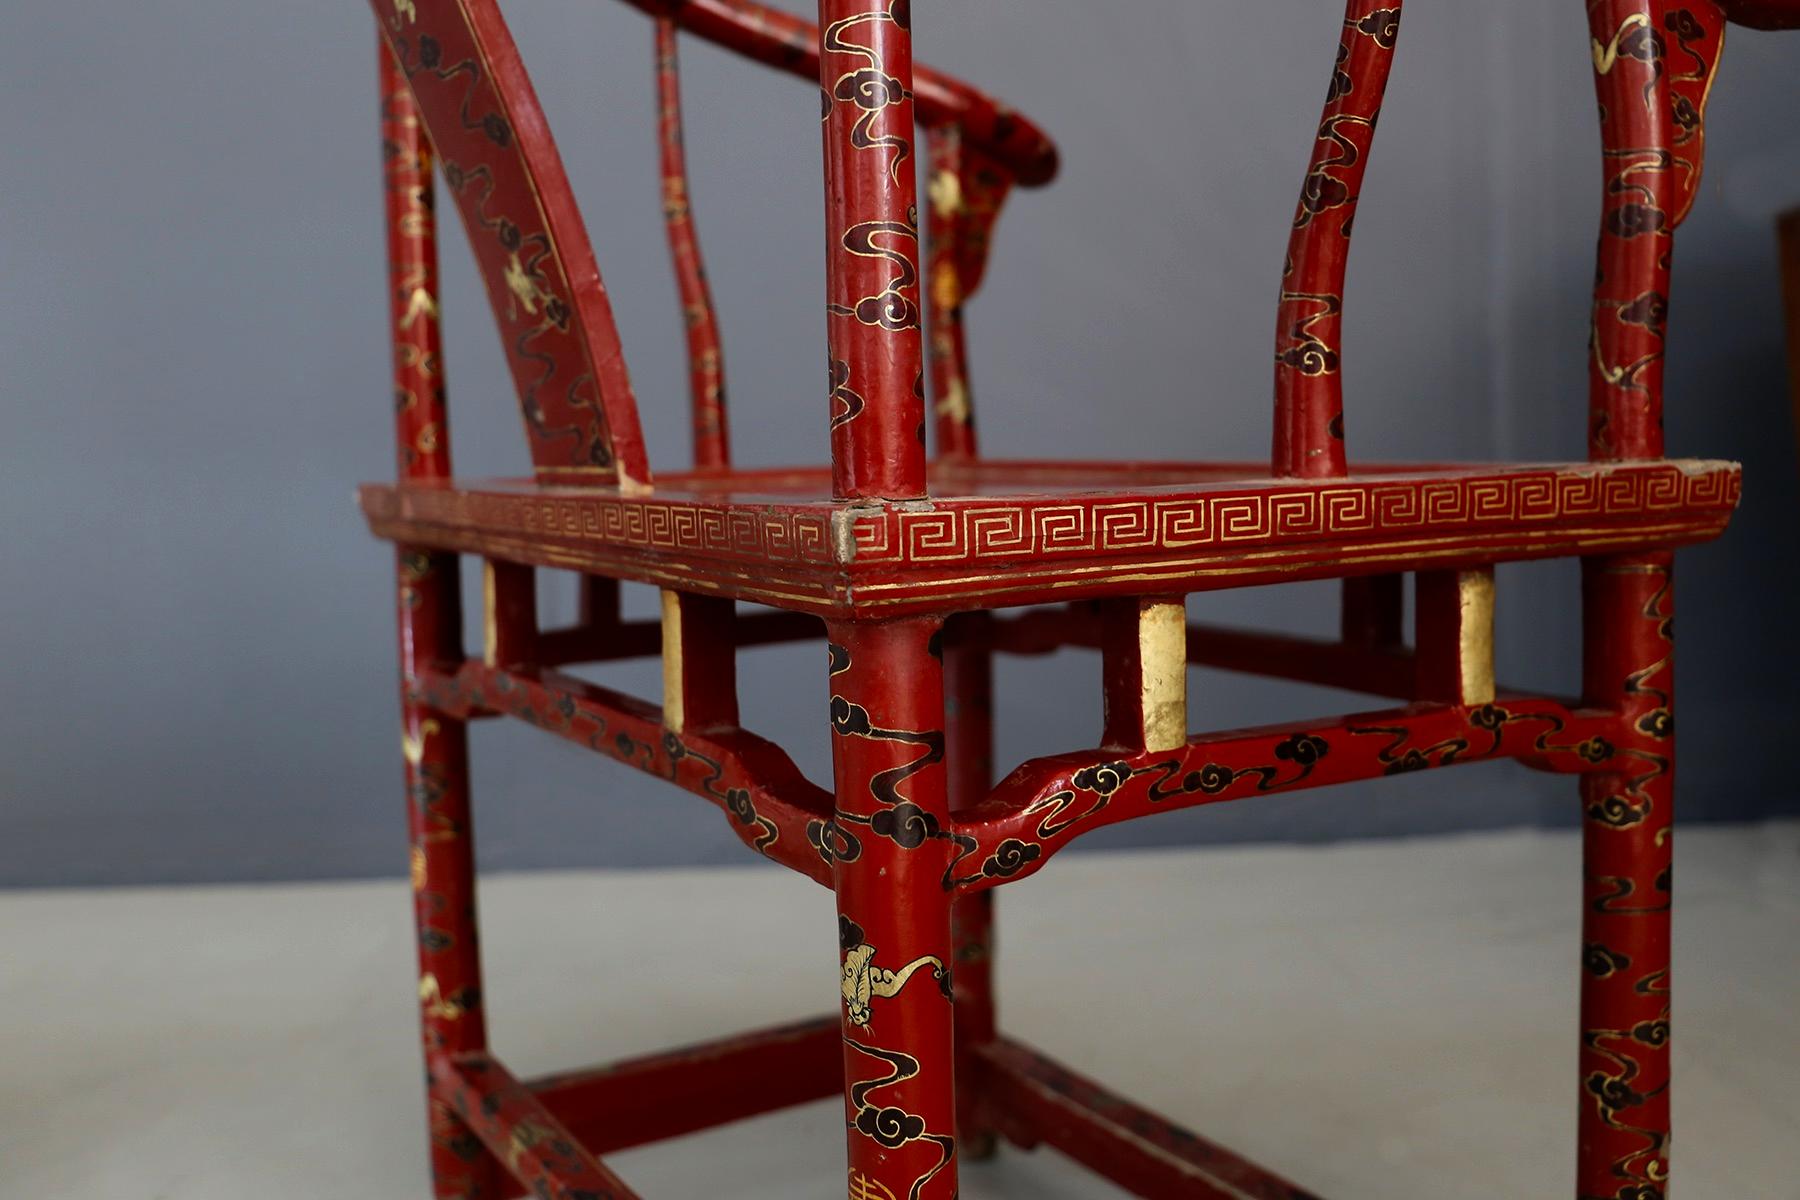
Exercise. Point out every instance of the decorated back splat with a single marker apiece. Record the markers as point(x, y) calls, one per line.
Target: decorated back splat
point(556, 323)
point(500, 163)
point(901, 562)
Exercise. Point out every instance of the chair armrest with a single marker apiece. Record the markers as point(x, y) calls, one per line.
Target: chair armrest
point(790, 44)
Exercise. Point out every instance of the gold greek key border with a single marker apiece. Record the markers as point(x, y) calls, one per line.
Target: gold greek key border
point(964, 531)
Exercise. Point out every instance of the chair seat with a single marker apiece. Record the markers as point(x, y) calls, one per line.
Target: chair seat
point(1002, 533)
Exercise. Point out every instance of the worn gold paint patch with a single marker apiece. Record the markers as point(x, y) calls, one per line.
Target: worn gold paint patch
point(414, 747)
point(1476, 595)
point(436, 1004)
point(673, 715)
point(490, 630)
point(1162, 651)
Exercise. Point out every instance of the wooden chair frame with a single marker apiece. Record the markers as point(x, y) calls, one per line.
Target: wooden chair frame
point(901, 563)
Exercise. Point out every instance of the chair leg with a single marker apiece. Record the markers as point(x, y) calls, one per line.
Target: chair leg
point(969, 734)
point(892, 852)
point(1626, 847)
point(443, 873)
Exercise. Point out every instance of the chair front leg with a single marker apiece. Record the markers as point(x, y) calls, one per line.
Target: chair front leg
point(1626, 848)
point(891, 850)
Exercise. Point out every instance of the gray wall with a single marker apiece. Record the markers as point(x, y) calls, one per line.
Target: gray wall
point(197, 631)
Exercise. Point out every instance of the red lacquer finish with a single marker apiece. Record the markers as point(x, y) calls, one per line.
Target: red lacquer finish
point(872, 251)
point(1632, 277)
point(677, 1092)
point(520, 1132)
point(1048, 802)
point(968, 645)
point(773, 808)
point(421, 434)
point(966, 193)
point(1626, 897)
point(430, 620)
point(497, 156)
point(783, 41)
point(706, 366)
point(898, 563)
point(890, 839)
point(1309, 386)
point(1003, 534)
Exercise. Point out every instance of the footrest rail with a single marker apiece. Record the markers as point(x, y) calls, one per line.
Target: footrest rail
point(1033, 1100)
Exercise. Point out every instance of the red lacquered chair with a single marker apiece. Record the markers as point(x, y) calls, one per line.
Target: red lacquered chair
point(900, 564)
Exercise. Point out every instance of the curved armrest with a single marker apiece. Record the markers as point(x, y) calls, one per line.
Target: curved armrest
point(789, 44)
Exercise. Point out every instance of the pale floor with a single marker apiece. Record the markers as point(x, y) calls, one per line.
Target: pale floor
point(1381, 1021)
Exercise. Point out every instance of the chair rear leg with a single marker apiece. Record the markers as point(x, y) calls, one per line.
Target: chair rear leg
point(1626, 849)
point(891, 854)
point(443, 873)
point(969, 737)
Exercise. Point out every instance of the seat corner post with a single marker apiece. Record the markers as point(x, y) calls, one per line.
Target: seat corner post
point(876, 349)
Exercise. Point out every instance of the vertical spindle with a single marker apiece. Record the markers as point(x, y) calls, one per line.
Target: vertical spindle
point(876, 355)
point(706, 367)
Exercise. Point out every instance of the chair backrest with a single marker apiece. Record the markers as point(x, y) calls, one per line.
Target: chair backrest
point(475, 100)
point(1654, 63)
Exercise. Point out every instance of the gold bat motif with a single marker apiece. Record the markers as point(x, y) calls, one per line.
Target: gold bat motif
point(863, 980)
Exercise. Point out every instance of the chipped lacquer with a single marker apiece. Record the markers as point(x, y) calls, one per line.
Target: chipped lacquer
point(897, 563)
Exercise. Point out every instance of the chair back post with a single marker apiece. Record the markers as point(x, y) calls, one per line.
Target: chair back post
point(968, 188)
point(1309, 390)
point(706, 366)
point(1653, 70)
point(421, 418)
point(876, 350)
point(946, 227)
